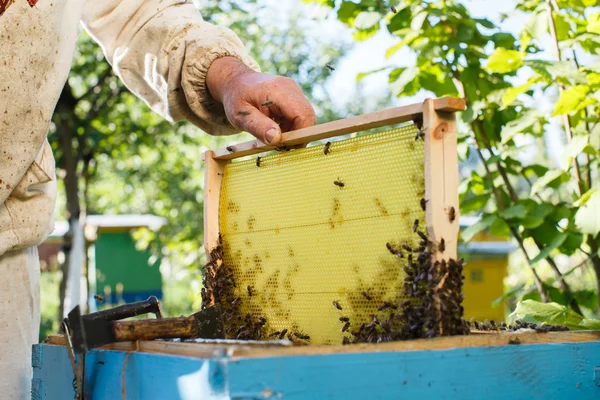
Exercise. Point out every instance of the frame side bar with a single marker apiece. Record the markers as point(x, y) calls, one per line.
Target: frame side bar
point(441, 179)
point(213, 177)
point(340, 127)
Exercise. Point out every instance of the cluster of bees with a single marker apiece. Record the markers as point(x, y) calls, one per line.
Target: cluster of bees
point(219, 288)
point(491, 326)
point(433, 290)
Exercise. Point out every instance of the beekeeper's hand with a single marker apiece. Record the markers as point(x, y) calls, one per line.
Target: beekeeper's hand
point(256, 102)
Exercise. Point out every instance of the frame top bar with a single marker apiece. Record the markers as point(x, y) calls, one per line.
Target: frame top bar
point(340, 127)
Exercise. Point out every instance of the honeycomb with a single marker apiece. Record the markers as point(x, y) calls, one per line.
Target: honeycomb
point(303, 229)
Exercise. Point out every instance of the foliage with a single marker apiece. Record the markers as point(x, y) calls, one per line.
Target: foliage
point(551, 313)
point(551, 210)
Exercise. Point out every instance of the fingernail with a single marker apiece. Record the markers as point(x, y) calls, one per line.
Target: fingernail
point(271, 135)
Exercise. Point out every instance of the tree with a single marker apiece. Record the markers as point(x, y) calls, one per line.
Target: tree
point(549, 211)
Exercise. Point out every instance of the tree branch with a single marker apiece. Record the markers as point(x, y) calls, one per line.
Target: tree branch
point(515, 233)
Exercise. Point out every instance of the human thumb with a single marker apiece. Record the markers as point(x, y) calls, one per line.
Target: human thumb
point(258, 125)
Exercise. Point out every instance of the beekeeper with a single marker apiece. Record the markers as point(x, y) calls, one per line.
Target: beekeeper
point(181, 66)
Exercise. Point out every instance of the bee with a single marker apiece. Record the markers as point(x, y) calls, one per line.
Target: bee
point(282, 334)
point(407, 248)
point(384, 306)
point(301, 335)
point(416, 225)
point(267, 104)
point(424, 204)
point(337, 305)
point(258, 161)
point(100, 298)
point(244, 113)
point(394, 252)
point(282, 147)
point(326, 149)
point(423, 236)
point(344, 319)
point(230, 149)
point(274, 334)
point(249, 291)
point(345, 340)
point(261, 321)
point(442, 245)
point(329, 67)
point(390, 305)
point(339, 183)
point(420, 135)
point(366, 296)
point(346, 326)
point(393, 9)
point(451, 214)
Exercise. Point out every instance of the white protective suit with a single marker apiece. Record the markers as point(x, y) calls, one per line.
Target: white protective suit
point(161, 49)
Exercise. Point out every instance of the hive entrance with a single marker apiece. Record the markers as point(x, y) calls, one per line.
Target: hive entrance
point(304, 228)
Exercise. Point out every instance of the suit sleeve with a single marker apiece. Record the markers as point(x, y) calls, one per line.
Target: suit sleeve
point(161, 50)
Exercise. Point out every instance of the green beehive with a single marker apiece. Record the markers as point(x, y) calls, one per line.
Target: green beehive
point(123, 273)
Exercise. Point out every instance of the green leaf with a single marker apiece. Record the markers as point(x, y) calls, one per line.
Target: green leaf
point(407, 40)
point(406, 77)
point(503, 39)
point(418, 20)
point(503, 61)
point(551, 313)
point(477, 227)
point(572, 150)
point(474, 203)
point(364, 34)
point(512, 93)
point(537, 25)
point(500, 228)
point(486, 23)
point(366, 20)
point(556, 242)
point(542, 210)
point(508, 295)
point(363, 75)
point(556, 69)
point(573, 99)
point(520, 125)
point(590, 324)
point(517, 211)
point(586, 196)
point(550, 176)
point(587, 218)
point(531, 222)
point(593, 21)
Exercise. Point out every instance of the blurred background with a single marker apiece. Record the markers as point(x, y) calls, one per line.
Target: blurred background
point(130, 213)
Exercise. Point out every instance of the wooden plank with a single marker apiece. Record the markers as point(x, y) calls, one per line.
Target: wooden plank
point(273, 349)
point(340, 127)
point(563, 370)
point(441, 178)
point(213, 176)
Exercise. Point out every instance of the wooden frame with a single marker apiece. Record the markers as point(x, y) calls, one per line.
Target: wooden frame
point(440, 138)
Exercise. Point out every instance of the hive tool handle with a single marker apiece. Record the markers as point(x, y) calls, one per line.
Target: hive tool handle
point(151, 305)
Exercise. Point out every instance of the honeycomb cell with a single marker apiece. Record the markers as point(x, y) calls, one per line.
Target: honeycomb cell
point(313, 241)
